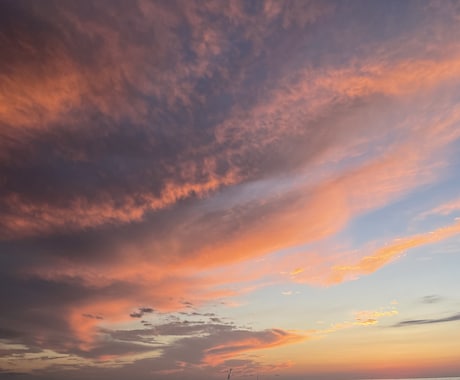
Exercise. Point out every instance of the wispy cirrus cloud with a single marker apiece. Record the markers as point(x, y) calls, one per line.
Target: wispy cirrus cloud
point(444, 209)
point(362, 318)
point(371, 263)
point(414, 322)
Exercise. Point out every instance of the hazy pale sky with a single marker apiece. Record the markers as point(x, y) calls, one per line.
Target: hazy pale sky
point(268, 186)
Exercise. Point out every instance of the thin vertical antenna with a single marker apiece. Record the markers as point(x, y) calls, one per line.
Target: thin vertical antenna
point(229, 374)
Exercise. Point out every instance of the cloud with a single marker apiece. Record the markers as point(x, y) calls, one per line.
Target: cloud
point(240, 342)
point(432, 298)
point(150, 152)
point(444, 209)
point(371, 317)
point(75, 186)
point(146, 310)
point(140, 121)
point(171, 345)
point(92, 316)
point(370, 263)
point(292, 207)
point(452, 318)
point(140, 313)
point(361, 318)
point(136, 315)
point(203, 345)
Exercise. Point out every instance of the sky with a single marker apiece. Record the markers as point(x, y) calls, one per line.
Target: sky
point(190, 187)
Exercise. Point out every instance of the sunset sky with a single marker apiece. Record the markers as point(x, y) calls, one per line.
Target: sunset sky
point(267, 186)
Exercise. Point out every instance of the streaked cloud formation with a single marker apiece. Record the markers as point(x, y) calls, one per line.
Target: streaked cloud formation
point(452, 318)
point(187, 187)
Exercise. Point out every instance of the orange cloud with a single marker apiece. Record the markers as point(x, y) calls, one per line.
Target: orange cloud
point(99, 75)
point(361, 318)
point(395, 78)
point(366, 317)
point(316, 213)
point(85, 329)
point(34, 218)
point(371, 263)
point(304, 215)
point(296, 271)
point(243, 342)
point(303, 97)
point(290, 104)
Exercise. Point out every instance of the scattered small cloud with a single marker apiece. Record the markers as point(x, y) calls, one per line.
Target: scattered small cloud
point(146, 310)
point(92, 316)
point(361, 318)
point(141, 311)
point(297, 271)
point(432, 298)
point(372, 317)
